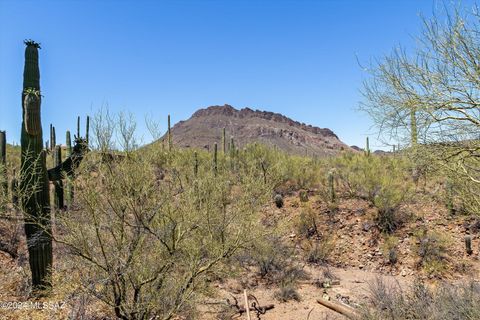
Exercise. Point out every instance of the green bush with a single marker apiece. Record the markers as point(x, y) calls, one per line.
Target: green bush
point(151, 245)
point(432, 252)
point(384, 181)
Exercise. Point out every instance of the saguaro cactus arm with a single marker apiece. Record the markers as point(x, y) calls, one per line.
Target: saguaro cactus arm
point(68, 166)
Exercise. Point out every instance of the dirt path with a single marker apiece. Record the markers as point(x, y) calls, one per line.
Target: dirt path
point(353, 287)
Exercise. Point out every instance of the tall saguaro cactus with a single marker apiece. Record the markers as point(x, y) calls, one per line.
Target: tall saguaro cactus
point(224, 141)
point(367, 147)
point(215, 164)
point(87, 129)
point(69, 187)
point(169, 135)
point(3, 159)
point(34, 193)
point(78, 126)
point(195, 165)
point(59, 203)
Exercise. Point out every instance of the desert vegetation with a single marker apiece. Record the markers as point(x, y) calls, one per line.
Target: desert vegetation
point(113, 228)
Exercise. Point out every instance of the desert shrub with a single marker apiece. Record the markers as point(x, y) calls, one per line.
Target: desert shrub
point(461, 194)
point(318, 252)
point(389, 249)
point(303, 195)
point(382, 180)
point(286, 293)
point(269, 257)
point(432, 252)
point(4, 200)
point(300, 172)
point(11, 230)
point(147, 247)
point(305, 223)
point(263, 162)
point(446, 301)
point(389, 216)
point(366, 177)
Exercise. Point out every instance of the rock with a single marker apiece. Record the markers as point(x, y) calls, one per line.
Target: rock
point(403, 273)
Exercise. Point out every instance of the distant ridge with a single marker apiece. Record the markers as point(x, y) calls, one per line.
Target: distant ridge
point(205, 127)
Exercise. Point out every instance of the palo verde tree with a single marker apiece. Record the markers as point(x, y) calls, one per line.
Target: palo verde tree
point(432, 95)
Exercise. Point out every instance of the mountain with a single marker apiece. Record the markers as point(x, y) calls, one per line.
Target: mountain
point(205, 127)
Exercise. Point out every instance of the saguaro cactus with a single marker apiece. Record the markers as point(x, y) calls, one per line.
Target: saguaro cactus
point(54, 142)
point(59, 203)
point(51, 137)
point(3, 159)
point(331, 186)
point(68, 186)
point(224, 141)
point(195, 165)
point(232, 146)
point(215, 166)
point(367, 147)
point(34, 195)
point(169, 135)
point(232, 154)
point(78, 126)
point(87, 130)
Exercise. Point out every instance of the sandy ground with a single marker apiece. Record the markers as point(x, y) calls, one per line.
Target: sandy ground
point(353, 288)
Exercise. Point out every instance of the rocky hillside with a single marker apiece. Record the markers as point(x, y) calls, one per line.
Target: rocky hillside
point(205, 126)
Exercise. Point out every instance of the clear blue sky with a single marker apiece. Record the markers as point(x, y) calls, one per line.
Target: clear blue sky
point(158, 57)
